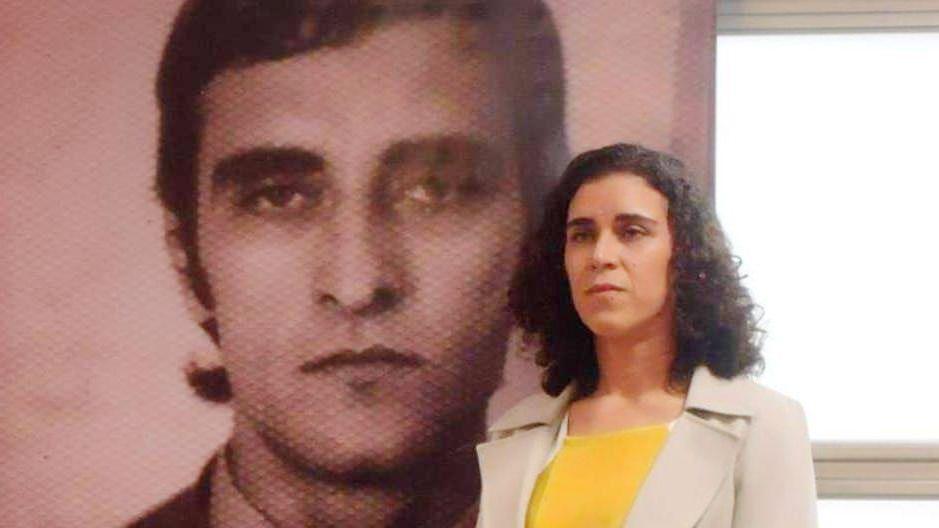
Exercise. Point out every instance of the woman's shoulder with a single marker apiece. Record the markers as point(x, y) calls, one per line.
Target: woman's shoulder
point(770, 425)
point(764, 399)
point(770, 405)
point(775, 419)
point(774, 469)
point(740, 395)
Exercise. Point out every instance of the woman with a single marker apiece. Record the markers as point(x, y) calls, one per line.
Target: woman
point(646, 337)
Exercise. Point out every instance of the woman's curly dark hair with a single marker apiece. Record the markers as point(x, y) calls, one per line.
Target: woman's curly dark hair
point(715, 319)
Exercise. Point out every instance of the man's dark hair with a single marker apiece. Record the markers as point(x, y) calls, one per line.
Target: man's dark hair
point(212, 36)
point(715, 318)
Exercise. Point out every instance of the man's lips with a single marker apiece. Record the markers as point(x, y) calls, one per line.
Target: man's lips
point(599, 288)
point(377, 356)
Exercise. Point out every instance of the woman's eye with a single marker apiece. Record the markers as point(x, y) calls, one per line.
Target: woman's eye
point(580, 236)
point(632, 232)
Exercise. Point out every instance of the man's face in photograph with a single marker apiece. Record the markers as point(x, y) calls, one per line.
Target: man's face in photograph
point(358, 215)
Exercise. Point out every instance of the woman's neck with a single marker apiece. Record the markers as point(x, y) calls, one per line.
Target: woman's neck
point(635, 364)
point(633, 389)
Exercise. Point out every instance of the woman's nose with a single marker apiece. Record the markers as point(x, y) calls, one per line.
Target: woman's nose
point(604, 252)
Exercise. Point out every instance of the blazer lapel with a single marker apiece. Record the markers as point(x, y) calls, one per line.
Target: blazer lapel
point(508, 468)
point(694, 462)
point(698, 455)
point(696, 459)
point(509, 465)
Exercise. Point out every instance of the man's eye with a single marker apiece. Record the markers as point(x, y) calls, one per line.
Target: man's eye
point(430, 191)
point(433, 193)
point(280, 198)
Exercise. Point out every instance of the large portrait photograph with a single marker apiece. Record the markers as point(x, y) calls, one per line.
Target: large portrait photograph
point(256, 253)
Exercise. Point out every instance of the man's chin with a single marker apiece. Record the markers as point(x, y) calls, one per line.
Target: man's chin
point(356, 451)
point(347, 436)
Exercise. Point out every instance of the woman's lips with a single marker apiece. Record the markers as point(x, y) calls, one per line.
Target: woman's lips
point(600, 288)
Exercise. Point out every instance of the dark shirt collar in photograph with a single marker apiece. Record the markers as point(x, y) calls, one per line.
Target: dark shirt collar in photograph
point(230, 508)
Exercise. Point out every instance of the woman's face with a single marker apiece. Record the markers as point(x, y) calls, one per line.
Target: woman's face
point(616, 255)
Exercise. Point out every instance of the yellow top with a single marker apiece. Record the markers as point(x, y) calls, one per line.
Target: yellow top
point(593, 480)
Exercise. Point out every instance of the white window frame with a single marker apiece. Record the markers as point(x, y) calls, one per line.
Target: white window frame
point(876, 470)
point(851, 470)
point(770, 16)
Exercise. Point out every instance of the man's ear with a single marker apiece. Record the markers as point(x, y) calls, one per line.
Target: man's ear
point(179, 259)
point(205, 371)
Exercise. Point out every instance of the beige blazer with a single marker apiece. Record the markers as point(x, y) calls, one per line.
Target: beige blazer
point(738, 456)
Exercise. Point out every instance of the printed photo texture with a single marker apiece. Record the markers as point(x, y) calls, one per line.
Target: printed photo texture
point(258, 252)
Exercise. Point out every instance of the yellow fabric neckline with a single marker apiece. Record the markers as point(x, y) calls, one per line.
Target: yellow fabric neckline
point(592, 480)
point(615, 434)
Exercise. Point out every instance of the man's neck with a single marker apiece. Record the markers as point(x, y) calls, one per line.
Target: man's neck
point(440, 490)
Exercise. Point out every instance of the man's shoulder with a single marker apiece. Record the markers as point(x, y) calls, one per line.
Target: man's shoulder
point(187, 509)
point(183, 511)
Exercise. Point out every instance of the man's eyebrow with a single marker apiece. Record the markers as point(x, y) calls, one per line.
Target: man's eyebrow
point(259, 162)
point(438, 150)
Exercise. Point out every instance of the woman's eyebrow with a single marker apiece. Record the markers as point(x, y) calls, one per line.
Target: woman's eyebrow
point(581, 222)
point(634, 218)
point(622, 218)
point(259, 162)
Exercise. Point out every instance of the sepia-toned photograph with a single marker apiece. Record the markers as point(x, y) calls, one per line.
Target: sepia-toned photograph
point(257, 255)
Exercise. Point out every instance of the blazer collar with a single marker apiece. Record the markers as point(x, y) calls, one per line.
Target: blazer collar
point(696, 458)
point(538, 409)
point(709, 393)
point(706, 392)
point(698, 455)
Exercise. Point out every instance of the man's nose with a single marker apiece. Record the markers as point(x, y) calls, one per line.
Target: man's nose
point(604, 252)
point(361, 278)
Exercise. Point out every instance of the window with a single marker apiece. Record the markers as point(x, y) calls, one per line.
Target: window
point(864, 513)
point(827, 181)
